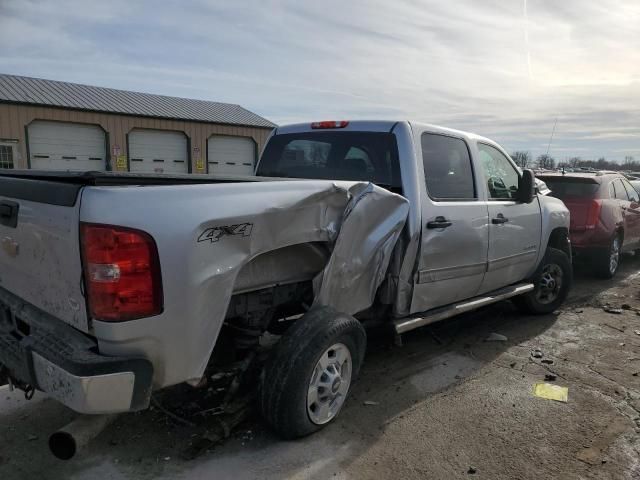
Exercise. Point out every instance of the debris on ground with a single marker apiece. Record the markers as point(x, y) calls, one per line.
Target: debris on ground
point(551, 392)
point(536, 353)
point(547, 361)
point(621, 330)
point(625, 306)
point(496, 337)
point(614, 310)
point(578, 310)
point(637, 332)
point(472, 470)
point(550, 377)
point(370, 402)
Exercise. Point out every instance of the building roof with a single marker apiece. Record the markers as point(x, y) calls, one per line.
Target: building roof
point(37, 91)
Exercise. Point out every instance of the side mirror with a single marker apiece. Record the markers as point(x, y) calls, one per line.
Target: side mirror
point(526, 187)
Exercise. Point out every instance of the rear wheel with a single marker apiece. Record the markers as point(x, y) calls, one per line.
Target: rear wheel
point(309, 374)
point(608, 260)
point(552, 283)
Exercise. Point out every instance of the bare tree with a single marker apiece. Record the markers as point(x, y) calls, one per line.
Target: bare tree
point(574, 162)
point(602, 164)
point(546, 161)
point(521, 158)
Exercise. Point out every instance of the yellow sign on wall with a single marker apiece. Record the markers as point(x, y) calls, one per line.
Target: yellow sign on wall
point(121, 162)
point(199, 161)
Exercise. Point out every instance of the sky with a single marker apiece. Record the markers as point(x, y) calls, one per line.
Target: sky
point(508, 69)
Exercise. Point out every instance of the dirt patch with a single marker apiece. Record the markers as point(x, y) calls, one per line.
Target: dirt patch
point(448, 404)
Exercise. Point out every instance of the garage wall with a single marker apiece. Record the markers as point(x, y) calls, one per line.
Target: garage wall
point(14, 118)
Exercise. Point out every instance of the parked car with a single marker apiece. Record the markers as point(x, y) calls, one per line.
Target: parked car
point(605, 216)
point(116, 285)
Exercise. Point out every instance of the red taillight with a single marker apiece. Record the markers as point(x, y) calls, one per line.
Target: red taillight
point(329, 124)
point(121, 271)
point(593, 215)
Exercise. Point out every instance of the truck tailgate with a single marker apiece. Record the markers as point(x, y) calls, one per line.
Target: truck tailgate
point(39, 246)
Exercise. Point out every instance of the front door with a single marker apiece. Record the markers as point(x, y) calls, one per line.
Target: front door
point(453, 253)
point(514, 227)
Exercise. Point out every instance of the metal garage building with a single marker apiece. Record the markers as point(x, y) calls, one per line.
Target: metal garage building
point(53, 125)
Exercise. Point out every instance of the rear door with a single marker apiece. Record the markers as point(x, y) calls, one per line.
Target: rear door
point(514, 227)
point(453, 254)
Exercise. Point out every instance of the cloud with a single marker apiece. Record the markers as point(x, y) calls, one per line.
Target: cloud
point(480, 66)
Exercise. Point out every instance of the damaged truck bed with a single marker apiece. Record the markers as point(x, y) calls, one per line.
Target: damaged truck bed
point(115, 285)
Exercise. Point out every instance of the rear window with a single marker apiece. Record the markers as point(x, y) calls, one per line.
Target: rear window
point(566, 188)
point(365, 156)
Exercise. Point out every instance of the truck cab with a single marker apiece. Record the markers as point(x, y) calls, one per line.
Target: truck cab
point(471, 229)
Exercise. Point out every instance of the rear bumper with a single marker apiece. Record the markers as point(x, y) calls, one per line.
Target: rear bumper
point(42, 352)
point(590, 239)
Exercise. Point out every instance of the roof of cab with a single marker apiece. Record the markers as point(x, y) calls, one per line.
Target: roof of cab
point(382, 126)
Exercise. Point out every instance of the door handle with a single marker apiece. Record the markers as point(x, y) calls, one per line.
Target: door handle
point(439, 222)
point(499, 220)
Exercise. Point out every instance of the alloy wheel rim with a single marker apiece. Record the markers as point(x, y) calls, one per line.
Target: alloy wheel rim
point(614, 255)
point(550, 284)
point(329, 384)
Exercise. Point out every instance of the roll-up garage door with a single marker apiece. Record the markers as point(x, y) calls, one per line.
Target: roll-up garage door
point(231, 155)
point(158, 151)
point(66, 146)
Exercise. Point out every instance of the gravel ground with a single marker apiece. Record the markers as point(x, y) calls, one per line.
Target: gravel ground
point(447, 404)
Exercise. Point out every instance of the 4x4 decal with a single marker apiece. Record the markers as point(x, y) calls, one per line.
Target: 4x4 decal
point(214, 234)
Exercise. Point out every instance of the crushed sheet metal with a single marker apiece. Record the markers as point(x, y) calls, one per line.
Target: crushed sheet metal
point(370, 228)
point(551, 392)
point(358, 222)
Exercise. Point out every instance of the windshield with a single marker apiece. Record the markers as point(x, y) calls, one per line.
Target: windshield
point(365, 156)
point(567, 188)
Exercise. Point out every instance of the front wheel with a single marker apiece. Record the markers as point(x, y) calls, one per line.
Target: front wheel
point(309, 374)
point(552, 283)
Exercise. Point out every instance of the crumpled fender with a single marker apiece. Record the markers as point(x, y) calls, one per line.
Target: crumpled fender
point(370, 228)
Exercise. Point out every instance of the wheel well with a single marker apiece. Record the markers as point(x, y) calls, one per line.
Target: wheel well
point(559, 239)
point(290, 264)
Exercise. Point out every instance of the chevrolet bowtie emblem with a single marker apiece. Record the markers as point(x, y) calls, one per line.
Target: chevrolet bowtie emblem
point(10, 246)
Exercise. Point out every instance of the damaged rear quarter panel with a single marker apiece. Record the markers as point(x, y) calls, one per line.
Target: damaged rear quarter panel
point(206, 233)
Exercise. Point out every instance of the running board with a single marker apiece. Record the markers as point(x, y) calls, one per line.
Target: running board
point(405, 324)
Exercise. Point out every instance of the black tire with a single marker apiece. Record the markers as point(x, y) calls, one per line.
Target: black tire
point(288, 372)
point(536, 302)
point(604, 267)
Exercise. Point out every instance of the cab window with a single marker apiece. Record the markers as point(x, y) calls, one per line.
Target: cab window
point(501, 176)
point(447, 168)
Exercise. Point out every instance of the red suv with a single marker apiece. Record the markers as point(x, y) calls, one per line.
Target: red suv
point(605, 216)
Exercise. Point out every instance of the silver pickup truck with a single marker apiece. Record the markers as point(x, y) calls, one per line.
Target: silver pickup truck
point(115, 285)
